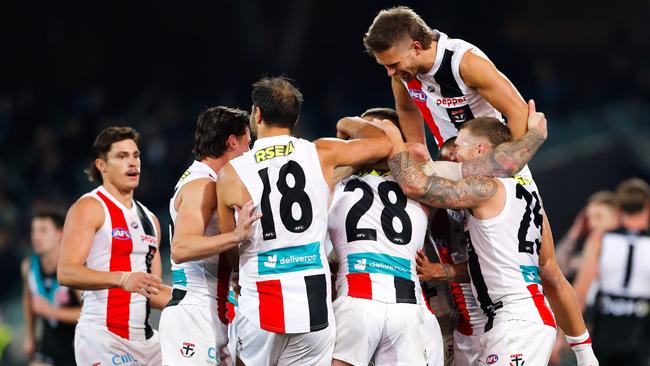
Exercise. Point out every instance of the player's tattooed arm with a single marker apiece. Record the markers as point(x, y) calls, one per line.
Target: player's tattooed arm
point(444, 272)
point(506, 159)
point(439, 192)
point(509, 158)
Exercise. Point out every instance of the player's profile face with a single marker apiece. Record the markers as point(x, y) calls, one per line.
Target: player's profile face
point(243, 143)
point(44, 235)
point(465, 147)
point(122, 166)
point(399, 61)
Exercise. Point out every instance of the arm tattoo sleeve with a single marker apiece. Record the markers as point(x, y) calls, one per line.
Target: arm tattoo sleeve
point(506, 159)
point(439, 192)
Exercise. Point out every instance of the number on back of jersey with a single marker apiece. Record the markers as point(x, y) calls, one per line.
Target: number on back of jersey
point(394, 202)
point(291, 195)
point(533, 215)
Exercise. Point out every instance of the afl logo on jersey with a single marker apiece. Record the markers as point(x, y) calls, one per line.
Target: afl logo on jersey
point(120, 233)
point(418, 95)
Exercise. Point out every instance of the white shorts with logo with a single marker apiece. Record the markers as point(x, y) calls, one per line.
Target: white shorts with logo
point(95, 345)
point(192, 335)
point(517, 343)
point(256, 346)
point(387, 334)
point(467, 349)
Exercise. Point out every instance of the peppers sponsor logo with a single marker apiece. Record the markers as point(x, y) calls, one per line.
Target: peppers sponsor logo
point(121, 233)
point(451, 102)
point(291, 259)
point(379, 263)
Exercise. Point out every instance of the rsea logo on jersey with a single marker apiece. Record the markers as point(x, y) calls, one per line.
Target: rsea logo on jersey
point(121, 233)
point(273, 151)
point(379, 263)
point(291, 259)
point(418, 95)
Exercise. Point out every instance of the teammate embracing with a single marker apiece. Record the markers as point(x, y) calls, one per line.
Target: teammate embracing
point(193, 325)
point(376, 232)
point(285, 312)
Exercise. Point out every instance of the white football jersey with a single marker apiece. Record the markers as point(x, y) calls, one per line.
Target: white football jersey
point(441, 95)
point(376, 232)
point(283, 269)
point(624, 274)
point(206, 279)
point(504, 257)
point(127, 241)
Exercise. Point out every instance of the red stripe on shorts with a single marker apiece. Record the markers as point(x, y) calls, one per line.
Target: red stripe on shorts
point(540, 304)
point(426, 113)
point(119, 300)
point(223, 282)
point(359, 285)
point(463, 324)
point(271, 306)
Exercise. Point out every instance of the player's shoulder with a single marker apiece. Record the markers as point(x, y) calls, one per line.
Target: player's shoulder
point(88, 208)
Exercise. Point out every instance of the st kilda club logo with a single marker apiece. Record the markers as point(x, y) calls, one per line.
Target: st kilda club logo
point(187, 350)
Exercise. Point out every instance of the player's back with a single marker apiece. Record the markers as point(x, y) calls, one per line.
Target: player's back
point(623, 302)
point(504, 257)
point(376, 232)
point(284, 274)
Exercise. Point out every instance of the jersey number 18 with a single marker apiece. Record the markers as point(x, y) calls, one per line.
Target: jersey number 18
point(290, 196)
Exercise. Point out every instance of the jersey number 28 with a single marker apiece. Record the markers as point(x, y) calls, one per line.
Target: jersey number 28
point(391, 210)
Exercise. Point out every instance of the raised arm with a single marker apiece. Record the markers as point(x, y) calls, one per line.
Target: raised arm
point(480, 73)
point(410, 118)
point(84, 218)
point(335, 153)
point(509, 158)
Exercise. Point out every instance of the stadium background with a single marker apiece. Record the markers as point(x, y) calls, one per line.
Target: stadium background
point(70, 69)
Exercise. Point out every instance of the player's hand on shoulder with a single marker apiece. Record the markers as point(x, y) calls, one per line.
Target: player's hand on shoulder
point(247, 215)
point(140, 282)
point(536, 120)
point(389, 128)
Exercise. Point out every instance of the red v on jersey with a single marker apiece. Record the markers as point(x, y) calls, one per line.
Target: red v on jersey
point(421, 103)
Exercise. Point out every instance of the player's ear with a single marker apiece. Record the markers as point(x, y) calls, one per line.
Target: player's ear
point(417, 47)
point(231, 142)
point(257, 114)
point(100, 164)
